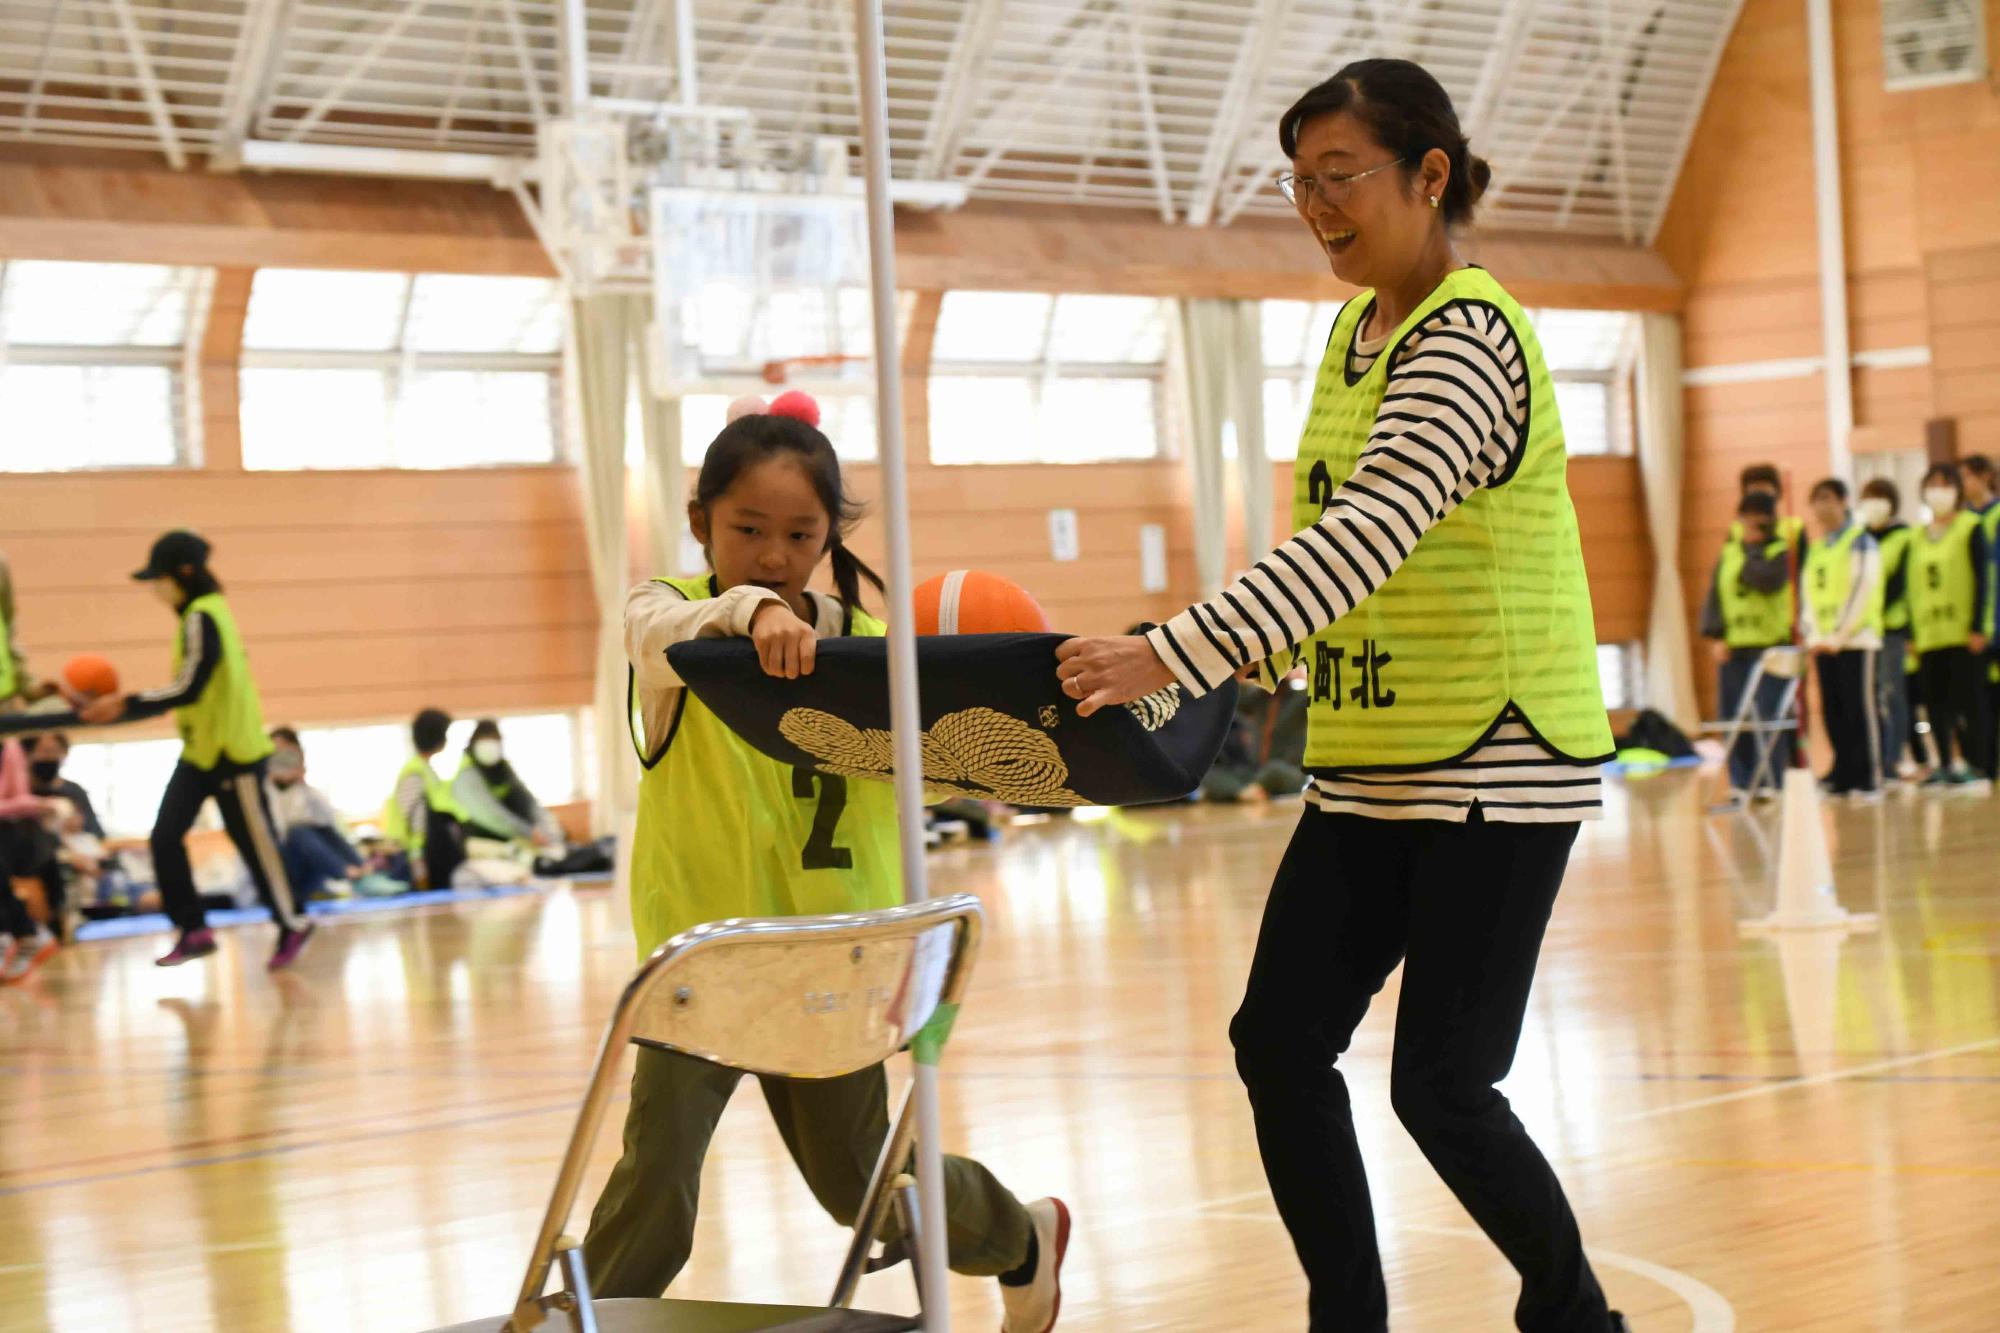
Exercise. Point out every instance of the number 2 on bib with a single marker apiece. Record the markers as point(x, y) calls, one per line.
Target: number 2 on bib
point(819, 853)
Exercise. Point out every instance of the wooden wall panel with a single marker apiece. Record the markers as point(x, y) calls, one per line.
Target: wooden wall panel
point(1922, 220)
point(362, 595)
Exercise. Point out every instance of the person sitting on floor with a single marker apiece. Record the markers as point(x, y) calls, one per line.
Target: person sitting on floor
point(75, 834)
point(496, 802)
point(423, 818)
point(318, 854)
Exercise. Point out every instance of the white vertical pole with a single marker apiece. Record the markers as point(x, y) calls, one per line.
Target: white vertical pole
point(1838, 371)
point(684, 52)
point(904, 720)
point(573, 56)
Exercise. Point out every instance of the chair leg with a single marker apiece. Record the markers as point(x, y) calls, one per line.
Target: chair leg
point(576, 1285)
point(911, 1216)
point(874, 1203)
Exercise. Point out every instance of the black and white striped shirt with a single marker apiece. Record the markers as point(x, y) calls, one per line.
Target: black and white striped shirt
point(1450, 421)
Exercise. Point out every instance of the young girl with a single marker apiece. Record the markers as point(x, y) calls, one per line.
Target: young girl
point(224, 752)
point(725, 831)
point(1948, 596)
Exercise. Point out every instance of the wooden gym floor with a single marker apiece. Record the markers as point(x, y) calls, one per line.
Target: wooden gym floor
point(1755, 1137)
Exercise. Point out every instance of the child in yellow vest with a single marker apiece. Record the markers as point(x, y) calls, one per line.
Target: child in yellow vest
point(1948, 595)
point(1840, 619)
point(726, 831)
point(225, 751)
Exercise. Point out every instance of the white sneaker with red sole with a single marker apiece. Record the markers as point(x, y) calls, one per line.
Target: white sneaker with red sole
point(1033, 1308)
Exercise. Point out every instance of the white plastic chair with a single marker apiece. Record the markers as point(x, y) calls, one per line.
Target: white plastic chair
point(796, 997)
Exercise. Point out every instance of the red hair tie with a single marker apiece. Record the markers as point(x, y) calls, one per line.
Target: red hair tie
point(796, 404)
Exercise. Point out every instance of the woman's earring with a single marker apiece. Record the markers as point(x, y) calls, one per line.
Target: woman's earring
point(1434, 201)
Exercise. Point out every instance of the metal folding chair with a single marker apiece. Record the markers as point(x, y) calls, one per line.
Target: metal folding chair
point(797, 997)
point(1787, 664)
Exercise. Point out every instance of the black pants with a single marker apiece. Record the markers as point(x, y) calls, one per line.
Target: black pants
point(444, 848)
point(1953, 688)
point(1463, 906)
point(1847, 702)
point(246, 813)
point(21, 854)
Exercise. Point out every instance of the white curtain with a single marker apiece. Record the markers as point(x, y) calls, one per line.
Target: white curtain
point(1221, 371)
point(1662, 448)
point(604, 330)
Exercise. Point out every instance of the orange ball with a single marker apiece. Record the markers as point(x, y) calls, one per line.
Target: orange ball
point(970, 601)
point(89, 674)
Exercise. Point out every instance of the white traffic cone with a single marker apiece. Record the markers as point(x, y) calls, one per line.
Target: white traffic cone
point(1805, 899)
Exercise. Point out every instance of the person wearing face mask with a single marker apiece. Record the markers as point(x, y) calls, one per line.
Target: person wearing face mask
point(318, 855)
point(1748, 609)
point(1880, 501)
point(496, 802)
point(224, 752)
point(75, 834)
point(1840, 618)
point(1948, 604)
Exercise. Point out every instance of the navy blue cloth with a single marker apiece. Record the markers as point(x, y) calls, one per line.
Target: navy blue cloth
point(997, 723)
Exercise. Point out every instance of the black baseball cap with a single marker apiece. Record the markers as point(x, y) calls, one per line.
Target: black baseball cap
point(173, 552)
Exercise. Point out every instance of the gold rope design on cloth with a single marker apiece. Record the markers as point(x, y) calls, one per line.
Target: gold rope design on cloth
point(979, 753)
point(1158, 708)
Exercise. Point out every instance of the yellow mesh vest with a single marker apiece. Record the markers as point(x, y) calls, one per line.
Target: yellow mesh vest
point(437, 796)
point(227, 720)
point(724, 830)
point(1895, 546)
point(9, 683)
point(1753, 619)
point(1490, 608)
point(1829, 578)
point(1942, 585)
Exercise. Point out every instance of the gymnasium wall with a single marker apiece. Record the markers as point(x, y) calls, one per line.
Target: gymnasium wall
point(1922, 212)
point(368, 594)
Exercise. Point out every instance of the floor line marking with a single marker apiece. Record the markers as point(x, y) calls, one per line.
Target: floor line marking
point(1804, 1081)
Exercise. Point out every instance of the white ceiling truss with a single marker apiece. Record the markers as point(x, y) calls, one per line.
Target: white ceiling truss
point(1584, 107)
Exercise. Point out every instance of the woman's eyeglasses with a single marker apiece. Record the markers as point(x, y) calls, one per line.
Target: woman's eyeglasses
point(1333, 187)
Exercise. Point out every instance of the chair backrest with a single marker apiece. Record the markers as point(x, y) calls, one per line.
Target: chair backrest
point(804, 997)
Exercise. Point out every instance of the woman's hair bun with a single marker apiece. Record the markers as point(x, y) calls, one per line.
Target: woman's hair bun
point(1478, 175)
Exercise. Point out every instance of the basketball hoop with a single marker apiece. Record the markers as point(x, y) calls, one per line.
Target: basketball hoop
point(780, 371)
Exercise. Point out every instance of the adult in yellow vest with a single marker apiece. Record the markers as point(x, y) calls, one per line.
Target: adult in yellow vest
point(1982, 501)
point(1435, 594)
point(1949, 573)
point(224, 749)
point(1880, 506)
point(1748, 610)
point(422, 816)
point(1840, 619)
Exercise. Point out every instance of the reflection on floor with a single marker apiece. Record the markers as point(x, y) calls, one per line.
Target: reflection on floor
point(1799, 1134)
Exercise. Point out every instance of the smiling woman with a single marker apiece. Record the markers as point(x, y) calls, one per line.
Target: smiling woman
point(1456, 723)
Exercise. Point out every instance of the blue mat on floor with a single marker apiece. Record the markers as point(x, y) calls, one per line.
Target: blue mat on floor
point(1614, 769)
point(153, 923)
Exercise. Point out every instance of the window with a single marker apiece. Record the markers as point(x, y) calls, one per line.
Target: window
point(1589, 353)
point(399, 370)
point(1022, 377)
point(729, 334)
point(91, 364)
point(355, 766)
point(1295, 334)
point(1621, 672)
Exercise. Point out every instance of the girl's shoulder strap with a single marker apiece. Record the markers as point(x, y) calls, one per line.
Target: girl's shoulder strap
point(696, 589)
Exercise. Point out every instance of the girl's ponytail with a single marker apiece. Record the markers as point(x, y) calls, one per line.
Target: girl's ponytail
point(848, 571)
